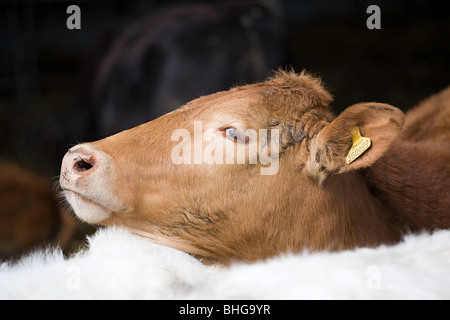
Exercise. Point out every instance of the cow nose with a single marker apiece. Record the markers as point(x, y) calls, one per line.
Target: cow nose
point(83, 164)
point(77, 163)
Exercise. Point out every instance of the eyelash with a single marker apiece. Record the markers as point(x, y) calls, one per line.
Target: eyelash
point(227, 135)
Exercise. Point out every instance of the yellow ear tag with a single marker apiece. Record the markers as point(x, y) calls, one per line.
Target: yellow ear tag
point(360, 144)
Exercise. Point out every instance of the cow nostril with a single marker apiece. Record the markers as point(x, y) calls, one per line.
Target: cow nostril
point(83, 165)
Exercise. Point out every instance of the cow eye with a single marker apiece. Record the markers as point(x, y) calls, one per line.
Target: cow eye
point(237, 135)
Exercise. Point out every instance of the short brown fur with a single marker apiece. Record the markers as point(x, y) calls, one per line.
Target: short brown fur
point(226, 213)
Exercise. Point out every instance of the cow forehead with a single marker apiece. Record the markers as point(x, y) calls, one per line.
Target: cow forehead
point(283, 97)
point(232, 98)
point(221, 107)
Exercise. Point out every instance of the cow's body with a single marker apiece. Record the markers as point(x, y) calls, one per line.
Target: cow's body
point(411, 181)
point(430, 120)
point(228, 212)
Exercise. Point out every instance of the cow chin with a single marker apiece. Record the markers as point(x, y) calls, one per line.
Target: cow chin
point(87, 210)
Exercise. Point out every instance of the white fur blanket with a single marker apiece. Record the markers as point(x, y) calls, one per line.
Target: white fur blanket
point(119, 265)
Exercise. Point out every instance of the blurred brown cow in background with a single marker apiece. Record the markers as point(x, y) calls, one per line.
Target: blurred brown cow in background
point(172, 55)
point(30, 215)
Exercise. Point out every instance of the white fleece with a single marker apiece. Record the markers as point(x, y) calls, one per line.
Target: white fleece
point(119, 265)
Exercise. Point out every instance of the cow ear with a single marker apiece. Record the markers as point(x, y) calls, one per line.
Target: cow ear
point(355, 139)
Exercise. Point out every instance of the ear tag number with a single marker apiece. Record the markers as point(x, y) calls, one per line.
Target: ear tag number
point(360, 145)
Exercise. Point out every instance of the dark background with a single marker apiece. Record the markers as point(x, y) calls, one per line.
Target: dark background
point(41, 60)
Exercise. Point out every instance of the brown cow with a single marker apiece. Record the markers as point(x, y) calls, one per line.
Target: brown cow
point(430, 120)
point(30, 214)
point(234, 211)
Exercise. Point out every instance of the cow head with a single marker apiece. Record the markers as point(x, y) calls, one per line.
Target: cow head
point(194, 180)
